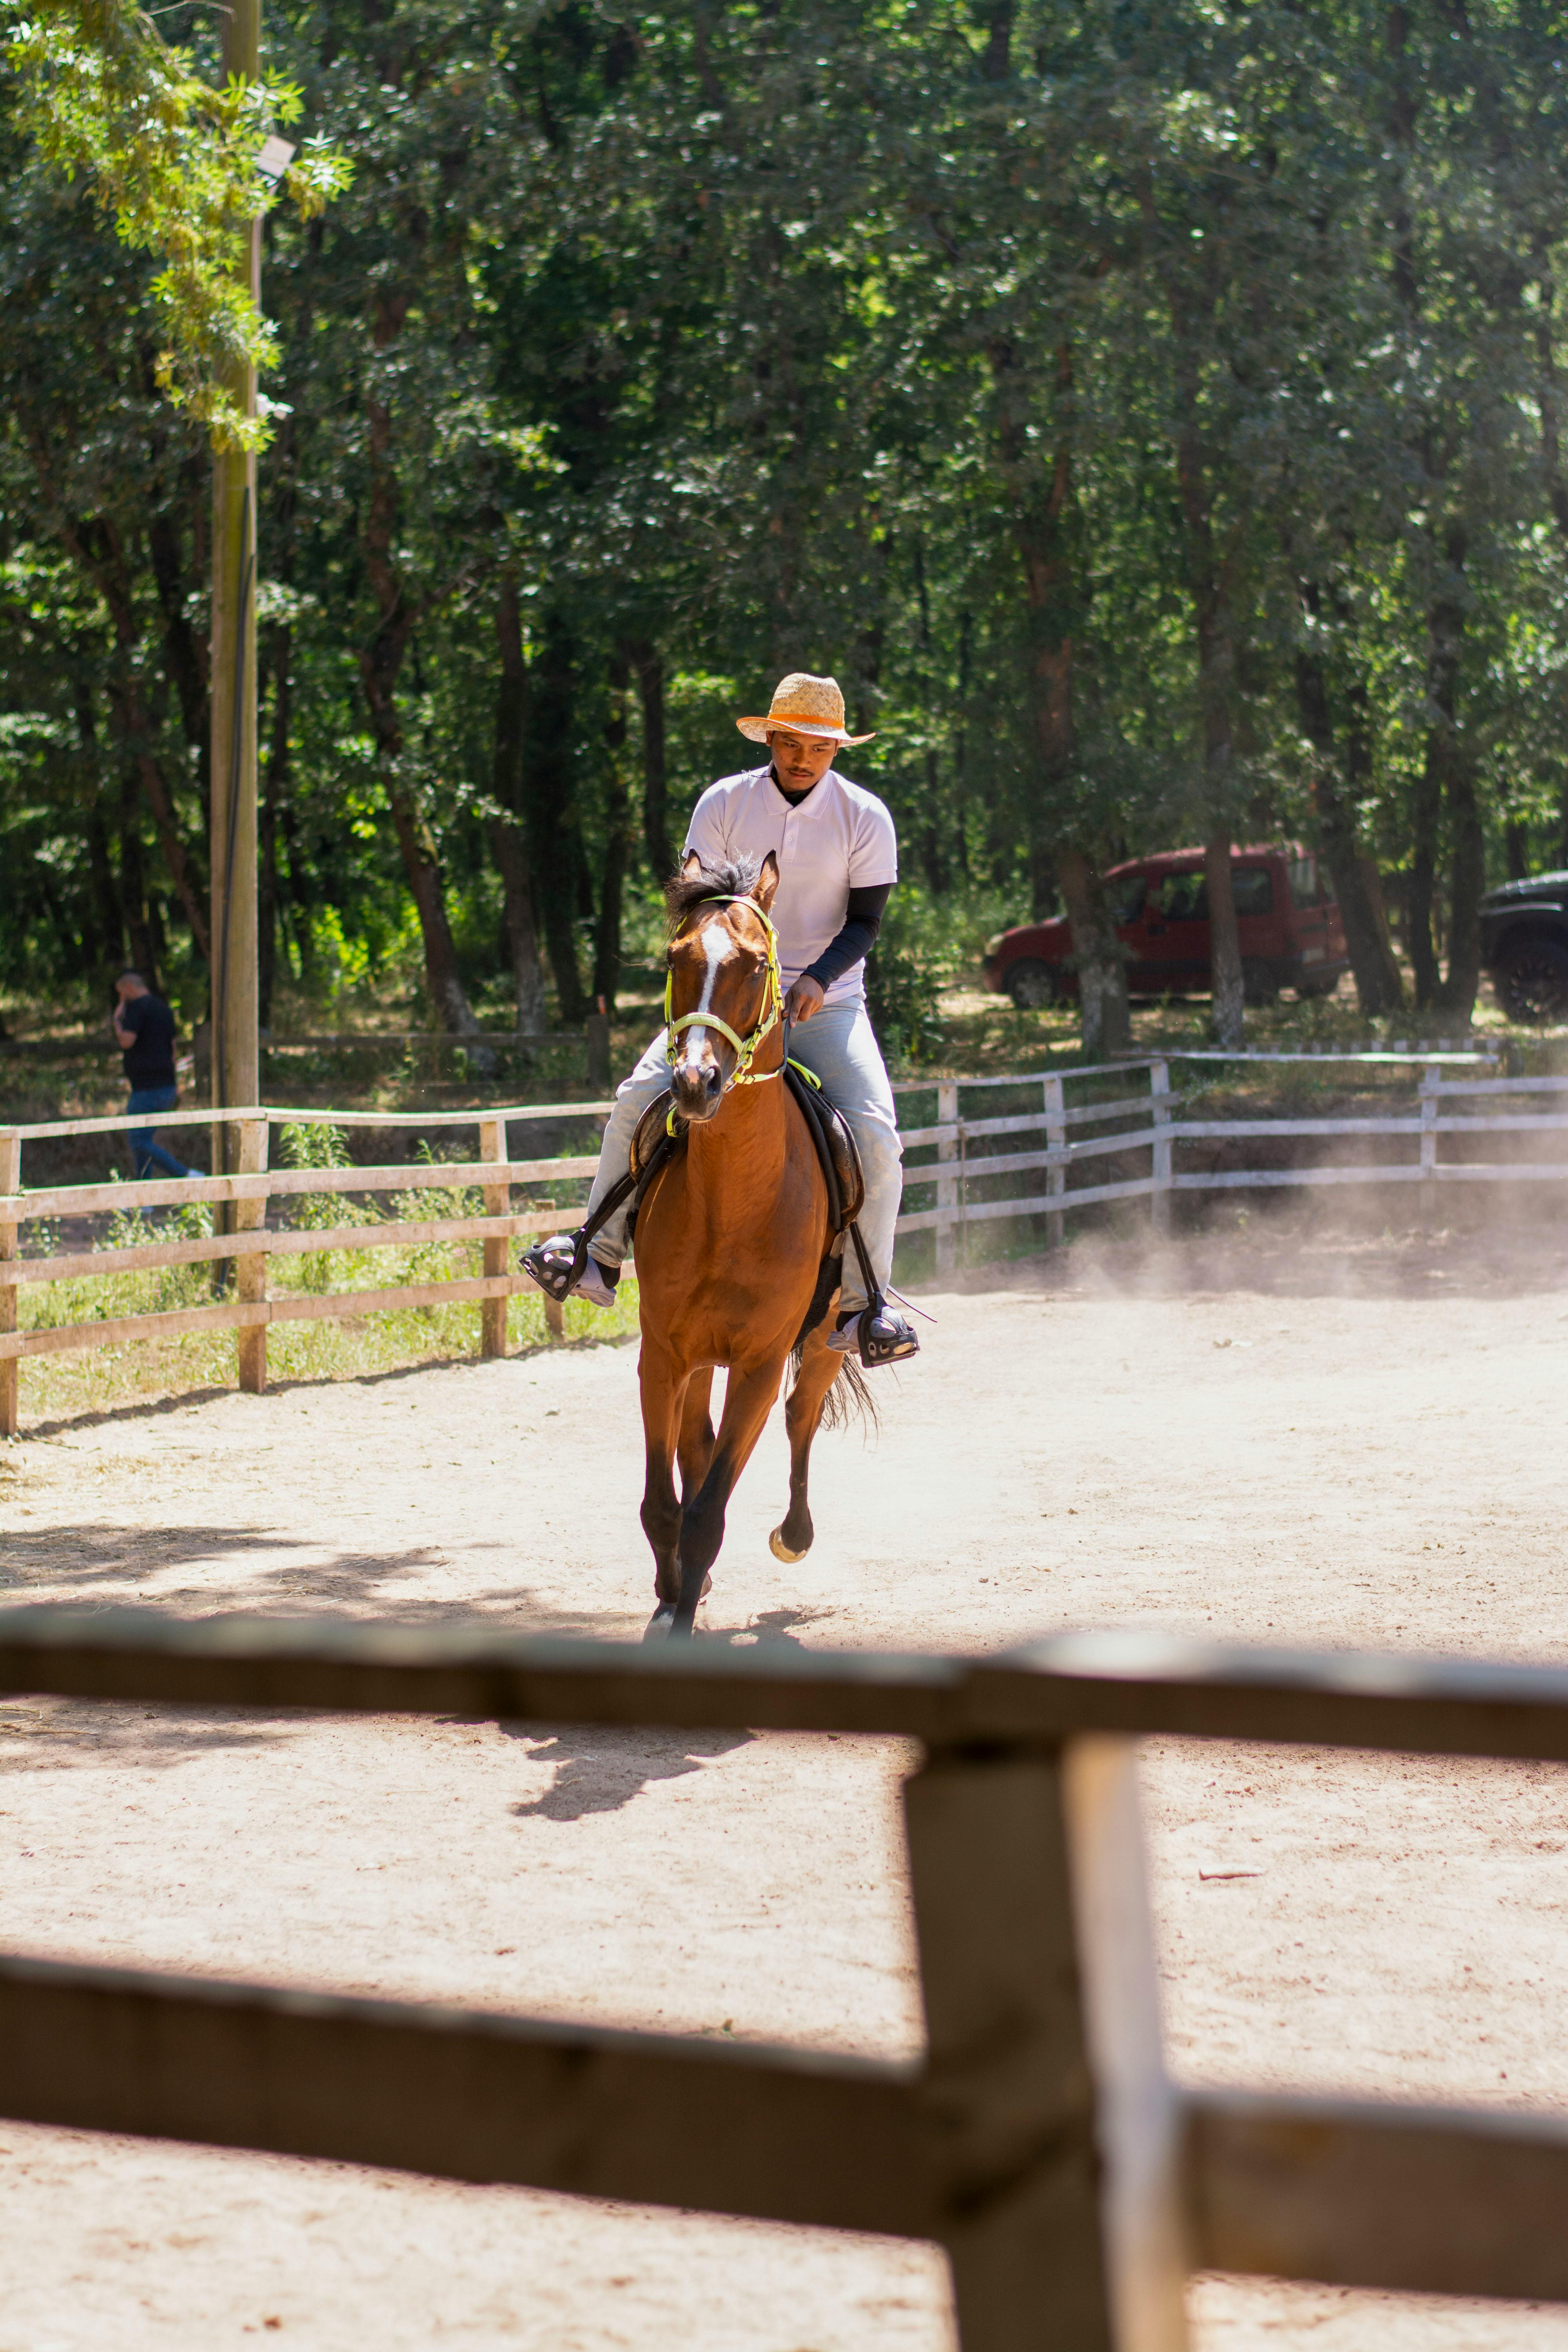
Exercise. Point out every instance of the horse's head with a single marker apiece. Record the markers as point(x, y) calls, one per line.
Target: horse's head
point(720, 976)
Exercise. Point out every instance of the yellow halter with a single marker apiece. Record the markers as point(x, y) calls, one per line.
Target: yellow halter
point(773, 1004)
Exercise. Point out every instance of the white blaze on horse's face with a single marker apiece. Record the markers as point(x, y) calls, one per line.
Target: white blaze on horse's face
point(696, 1075)
point(715, 946)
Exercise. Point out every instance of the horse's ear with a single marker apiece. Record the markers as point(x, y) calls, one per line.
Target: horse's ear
point(691, 866)
point(767, 882)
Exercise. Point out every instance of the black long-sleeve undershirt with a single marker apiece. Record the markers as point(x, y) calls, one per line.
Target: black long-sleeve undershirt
point(862, 921)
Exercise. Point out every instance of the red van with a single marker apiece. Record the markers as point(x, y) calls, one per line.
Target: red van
point(1291, 932)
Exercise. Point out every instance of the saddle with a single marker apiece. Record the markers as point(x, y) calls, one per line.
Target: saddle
point(836, 1151)
point(660, 1134)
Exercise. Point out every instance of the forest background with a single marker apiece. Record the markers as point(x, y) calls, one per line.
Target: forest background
point(1151, 416)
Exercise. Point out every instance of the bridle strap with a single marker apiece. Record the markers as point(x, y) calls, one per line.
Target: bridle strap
point(773, 1004)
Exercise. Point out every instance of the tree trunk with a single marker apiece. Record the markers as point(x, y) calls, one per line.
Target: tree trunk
point(617, 840)
point(185, 649)
point(1097, 954)
point(1425, 810)
point(648, 664)
point(1467, 882)
point(1446, 778)
point(547, 787)
point(133, 885)
point(111, 920)
point(275, 791)
point(1377, 980)
point(1216, 637)
point(449, 1005)
point(1549, 390)
point(100, 549)
point(1225, 944)
point(380, 664)
point(1043, 518)
point(1468, 871)
point(106, 897)
point(508, 841)
point(301, 896)
point(932, 860)
point(1358, 774)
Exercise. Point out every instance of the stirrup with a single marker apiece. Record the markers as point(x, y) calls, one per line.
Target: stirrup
point(878, 1335)
point(548, 1265)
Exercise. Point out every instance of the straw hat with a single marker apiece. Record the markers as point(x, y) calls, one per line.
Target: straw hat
point(811, 706)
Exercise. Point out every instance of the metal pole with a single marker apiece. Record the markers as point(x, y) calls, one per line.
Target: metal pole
point(234, 1054)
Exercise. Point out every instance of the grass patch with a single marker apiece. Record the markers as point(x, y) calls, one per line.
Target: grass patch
point(353, 1347)
point(342, 1348)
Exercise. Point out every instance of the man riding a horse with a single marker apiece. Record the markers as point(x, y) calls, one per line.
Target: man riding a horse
point(837, 862)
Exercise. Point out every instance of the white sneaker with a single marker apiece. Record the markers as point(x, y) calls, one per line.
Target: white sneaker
point(594, 1286)
point(557, 1253)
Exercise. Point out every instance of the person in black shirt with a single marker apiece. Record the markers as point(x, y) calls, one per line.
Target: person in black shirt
point(145, 1028)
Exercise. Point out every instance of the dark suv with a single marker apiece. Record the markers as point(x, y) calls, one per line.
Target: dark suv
point(1524, 946)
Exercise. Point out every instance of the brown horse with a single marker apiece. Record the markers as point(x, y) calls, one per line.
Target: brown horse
point(729, 1240)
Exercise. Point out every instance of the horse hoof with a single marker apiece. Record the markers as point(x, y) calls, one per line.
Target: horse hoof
point(779, 1550)
point(658, 1625)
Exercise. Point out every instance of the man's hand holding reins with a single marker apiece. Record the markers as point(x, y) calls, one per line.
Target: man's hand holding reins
point(804, 999)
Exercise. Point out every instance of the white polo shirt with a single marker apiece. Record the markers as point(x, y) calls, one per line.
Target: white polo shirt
point(840, 838)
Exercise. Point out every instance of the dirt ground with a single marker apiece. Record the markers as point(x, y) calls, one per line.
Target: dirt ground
point(1280, 1432)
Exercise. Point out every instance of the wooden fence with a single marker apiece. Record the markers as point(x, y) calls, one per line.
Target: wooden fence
point(1039, 2140)
point(250, 1245)
point(1061, 1140)
point(969, 1165)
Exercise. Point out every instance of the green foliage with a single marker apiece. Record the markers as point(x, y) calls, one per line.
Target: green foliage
point(173, 162)
point(315, 1145)
point(925, 945)
point(1153, 420)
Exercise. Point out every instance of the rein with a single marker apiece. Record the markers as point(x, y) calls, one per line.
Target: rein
point(773, 1004)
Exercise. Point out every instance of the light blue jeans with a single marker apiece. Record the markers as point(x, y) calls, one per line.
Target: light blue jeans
point(840, 1045)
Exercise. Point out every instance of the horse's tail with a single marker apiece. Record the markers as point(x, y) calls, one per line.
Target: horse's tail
point(850, 1392)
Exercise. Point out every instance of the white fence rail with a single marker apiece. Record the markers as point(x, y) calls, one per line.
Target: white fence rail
point(1064, 1142)
point(1150, 1123)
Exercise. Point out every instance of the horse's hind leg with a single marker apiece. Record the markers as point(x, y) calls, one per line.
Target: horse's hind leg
point(819, 1368)
point(748, 1401)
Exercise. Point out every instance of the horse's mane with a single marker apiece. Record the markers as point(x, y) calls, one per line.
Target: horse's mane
point(736, 878)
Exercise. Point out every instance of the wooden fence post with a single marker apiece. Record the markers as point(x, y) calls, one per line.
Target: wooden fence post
point(947, 1186)
point(250, 1271)
point(1055, 1178)
point(1139, 2129)
point(497, 1201)
point(1160, 1113)
point(1430, 1079)
point(1008, 2087)
point(10, 1182)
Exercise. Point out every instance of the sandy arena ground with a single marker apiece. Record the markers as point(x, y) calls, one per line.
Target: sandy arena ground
point(1275, 1436)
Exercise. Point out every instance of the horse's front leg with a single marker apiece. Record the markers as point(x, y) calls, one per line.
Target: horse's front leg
point(819, 1368)
point(694, 1448)
point(748, 1401)
point(663, 1393)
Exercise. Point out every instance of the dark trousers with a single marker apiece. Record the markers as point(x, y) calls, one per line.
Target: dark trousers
point(148, 1154)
